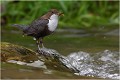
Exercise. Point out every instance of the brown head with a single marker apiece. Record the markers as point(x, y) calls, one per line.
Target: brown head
point(51, 12)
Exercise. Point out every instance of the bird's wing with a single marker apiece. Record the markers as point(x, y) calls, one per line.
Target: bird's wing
point(37, 26)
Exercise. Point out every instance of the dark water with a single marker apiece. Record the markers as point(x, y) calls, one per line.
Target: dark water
point(95, 54)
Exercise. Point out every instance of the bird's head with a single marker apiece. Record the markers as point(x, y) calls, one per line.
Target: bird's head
point(56, 12)
point(52, 14)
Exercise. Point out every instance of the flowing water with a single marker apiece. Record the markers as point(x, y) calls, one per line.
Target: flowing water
point(104, 64)
point(93, 55)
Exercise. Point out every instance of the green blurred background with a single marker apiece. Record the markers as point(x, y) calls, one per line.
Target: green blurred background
point(89, 26)
point(78, 14)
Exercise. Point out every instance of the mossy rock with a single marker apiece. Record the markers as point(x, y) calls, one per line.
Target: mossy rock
point(11, 51)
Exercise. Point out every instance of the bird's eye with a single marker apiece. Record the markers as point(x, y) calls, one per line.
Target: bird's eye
point(52, 12)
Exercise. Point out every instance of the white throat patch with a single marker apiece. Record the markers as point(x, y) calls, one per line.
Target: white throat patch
point(53, 22)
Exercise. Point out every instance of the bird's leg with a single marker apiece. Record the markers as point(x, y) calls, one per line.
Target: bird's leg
point(38, 44)
point(41, 42)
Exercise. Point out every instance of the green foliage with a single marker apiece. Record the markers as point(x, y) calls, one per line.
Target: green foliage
point(77, 13)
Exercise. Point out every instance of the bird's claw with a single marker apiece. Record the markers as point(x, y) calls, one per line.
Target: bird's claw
point(48, 53)
point(44, 52)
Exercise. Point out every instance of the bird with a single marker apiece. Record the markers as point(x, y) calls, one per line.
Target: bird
point(41, 27)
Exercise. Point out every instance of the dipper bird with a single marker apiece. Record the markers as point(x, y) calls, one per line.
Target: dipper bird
point(41, 27)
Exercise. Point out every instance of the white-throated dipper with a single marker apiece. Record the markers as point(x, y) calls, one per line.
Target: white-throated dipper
point(41, 27)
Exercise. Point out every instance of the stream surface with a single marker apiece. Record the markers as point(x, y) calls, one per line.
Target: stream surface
point(93, 54)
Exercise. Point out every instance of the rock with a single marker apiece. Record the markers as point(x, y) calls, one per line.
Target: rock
point(14, 52)
point(53, 60)
point(57, 59)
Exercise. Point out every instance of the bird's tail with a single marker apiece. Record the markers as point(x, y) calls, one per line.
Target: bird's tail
point(21, 27)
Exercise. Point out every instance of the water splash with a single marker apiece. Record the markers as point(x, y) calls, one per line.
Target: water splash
point(104, 64)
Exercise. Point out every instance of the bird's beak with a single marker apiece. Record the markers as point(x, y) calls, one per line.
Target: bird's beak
point(60, 14)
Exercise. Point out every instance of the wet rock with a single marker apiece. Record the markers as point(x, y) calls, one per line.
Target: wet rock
point(46, 58)
point(19, 53)
point(59, 61)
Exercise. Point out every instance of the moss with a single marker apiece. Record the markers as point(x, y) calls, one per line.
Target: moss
point(14, 52)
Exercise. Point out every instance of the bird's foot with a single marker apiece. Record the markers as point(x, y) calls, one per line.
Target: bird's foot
point(40, 51)
point(48, 52)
